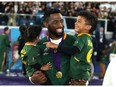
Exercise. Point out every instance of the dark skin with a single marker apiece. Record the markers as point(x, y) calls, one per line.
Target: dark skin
point(38, 77)
point(55, 22)
point(54, 25)
point(55, 29)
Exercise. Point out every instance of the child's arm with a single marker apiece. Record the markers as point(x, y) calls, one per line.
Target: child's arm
point(67, 50)
point(46, 67)
point(63, 49)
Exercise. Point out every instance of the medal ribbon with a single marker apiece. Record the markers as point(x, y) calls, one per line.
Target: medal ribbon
point(56, 56)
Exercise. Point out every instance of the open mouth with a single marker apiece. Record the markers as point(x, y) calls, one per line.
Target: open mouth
point(59, 30)
point(76, 28)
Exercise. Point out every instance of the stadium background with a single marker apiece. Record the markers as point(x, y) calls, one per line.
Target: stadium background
point(106, 16)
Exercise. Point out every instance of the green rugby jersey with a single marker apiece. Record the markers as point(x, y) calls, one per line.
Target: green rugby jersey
point(80, 68)
point(46, 56)
point(4, 44)
point(30, 57)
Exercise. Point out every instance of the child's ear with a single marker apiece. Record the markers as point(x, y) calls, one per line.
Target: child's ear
point(89, 27)
point(37, 38)
point(45, 24)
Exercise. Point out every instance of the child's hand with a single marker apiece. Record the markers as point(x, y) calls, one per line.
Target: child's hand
point(46, 67)
point(51, 45)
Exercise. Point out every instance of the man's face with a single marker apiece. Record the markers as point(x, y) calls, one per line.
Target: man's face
point(55, 25)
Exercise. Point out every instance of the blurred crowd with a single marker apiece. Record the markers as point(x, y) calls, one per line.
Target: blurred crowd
point(29, 13)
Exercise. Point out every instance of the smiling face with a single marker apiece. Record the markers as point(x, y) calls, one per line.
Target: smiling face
point(81, 25)
point(55, 25)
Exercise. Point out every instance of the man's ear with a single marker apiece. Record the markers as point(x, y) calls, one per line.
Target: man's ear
point(45, 24)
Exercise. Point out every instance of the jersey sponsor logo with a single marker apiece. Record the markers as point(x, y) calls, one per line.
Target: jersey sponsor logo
point(45, 51)
point(76, 42)
point(90, 43)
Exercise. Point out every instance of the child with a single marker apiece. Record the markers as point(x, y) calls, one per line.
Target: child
point(29, 53)
point(82, 49)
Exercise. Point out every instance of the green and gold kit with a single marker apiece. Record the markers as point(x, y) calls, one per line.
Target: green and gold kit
point(29, 55)
point(46, 56)
point(4, 44)
point(80, 68)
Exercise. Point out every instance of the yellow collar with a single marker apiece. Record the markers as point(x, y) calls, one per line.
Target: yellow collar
point(65, 35)
point(28, 43)
point(84, 33)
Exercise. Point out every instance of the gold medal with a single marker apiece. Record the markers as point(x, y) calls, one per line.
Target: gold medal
point(59, 74)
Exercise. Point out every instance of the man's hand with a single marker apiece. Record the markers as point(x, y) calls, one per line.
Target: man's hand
point(51, 45)
point(38, 77)
point(79, 82)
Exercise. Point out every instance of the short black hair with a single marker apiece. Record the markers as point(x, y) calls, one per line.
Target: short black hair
point(48, 13)
point(90, 18)
point(22, 29)
point(6, 28)
point(32, 32)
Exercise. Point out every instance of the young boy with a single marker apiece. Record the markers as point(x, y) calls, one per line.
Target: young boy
point(29, 53)
point(82, 49)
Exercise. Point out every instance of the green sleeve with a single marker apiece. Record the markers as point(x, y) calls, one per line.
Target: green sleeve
point(29, 70)
point(33, 62)
point(79, 43)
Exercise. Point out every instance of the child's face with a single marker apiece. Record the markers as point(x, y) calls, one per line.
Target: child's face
point(80, 25)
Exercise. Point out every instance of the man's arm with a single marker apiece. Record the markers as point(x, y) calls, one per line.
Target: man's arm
point(35, 75)
point(38, 77)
